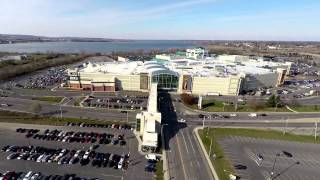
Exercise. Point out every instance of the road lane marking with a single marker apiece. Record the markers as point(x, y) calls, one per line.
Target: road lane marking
point(183, 168)
point(189, 138)
point(198, 164)
point(185, 143)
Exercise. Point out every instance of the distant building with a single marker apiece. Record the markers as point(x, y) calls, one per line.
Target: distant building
point(122, 59)
point(13, 58)
point(197, 53)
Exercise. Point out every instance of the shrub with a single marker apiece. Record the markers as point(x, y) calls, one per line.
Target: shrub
point(188, 99)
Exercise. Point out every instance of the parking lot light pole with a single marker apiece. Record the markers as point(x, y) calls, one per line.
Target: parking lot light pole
point(285, 170)
point(274, 164)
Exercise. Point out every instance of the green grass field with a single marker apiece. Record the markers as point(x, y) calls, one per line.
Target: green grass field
point(221, 162)
point(311, 108)
point(51, 99)
point(217, 106)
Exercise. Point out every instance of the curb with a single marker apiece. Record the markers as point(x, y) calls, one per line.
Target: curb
point(291, 109)
point(213, 171)
point(166, 175)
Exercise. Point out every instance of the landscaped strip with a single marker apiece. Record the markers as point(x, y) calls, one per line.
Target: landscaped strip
point(159, 170)
point(78, 101)
point(221, 163)
point(28, 118)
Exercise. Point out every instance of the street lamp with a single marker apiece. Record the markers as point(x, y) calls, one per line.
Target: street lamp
point(287, 154)
point(286, 169)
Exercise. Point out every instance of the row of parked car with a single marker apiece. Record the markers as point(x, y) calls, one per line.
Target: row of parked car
point(49, 78)
point(64, 156)
point(113, 126)
point(24, 130)
point(79, 137)
point(12, 175)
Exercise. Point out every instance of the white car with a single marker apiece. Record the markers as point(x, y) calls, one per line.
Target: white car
point(181, 120)
point(253, 115)
point(233, 115)
point(28, 175)
point(151, 157)
point(86, 155)
point(120, 163)
point(40, 158)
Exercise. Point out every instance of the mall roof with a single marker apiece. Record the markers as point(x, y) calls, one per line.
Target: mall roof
point(127, 68)
point(205, 67)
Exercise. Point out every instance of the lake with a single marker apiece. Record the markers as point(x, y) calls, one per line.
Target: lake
point(95, 47)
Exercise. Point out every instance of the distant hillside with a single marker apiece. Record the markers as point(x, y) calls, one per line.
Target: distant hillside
point(13, 38)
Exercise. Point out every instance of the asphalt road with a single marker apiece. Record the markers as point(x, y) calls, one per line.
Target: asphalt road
point(185, 158)
point(23, 105)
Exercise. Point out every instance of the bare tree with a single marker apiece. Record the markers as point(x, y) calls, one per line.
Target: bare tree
point(36, 107)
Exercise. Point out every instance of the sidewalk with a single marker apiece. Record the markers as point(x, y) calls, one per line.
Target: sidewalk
point(213, 171)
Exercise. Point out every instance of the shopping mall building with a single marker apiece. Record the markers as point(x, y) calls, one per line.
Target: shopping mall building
point(195, 72)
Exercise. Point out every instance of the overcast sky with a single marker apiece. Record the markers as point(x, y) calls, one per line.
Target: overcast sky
point(164, 19)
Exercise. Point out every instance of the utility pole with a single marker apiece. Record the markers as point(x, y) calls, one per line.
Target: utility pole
point(203, 122)
point(315, 130)
point(127, 117)
point(236, 104)
point(208, 123)
point(60, 112)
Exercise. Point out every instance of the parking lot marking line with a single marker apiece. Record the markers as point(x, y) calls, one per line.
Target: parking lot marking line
point(110, 175)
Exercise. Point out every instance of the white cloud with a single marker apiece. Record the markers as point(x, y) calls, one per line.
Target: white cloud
point(58, 17)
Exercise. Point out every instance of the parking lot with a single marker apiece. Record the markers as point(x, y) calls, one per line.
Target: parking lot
point(254, 158)
point(113, 102)
point(45, 79)
point(92, 169)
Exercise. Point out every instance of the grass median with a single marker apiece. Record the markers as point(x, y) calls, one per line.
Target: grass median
point(78, 101)
point(221, 163)
point(50, 99)
point(159, 170)
point(220, 106)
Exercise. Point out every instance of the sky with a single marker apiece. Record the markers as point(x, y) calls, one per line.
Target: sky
point(164, 19)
